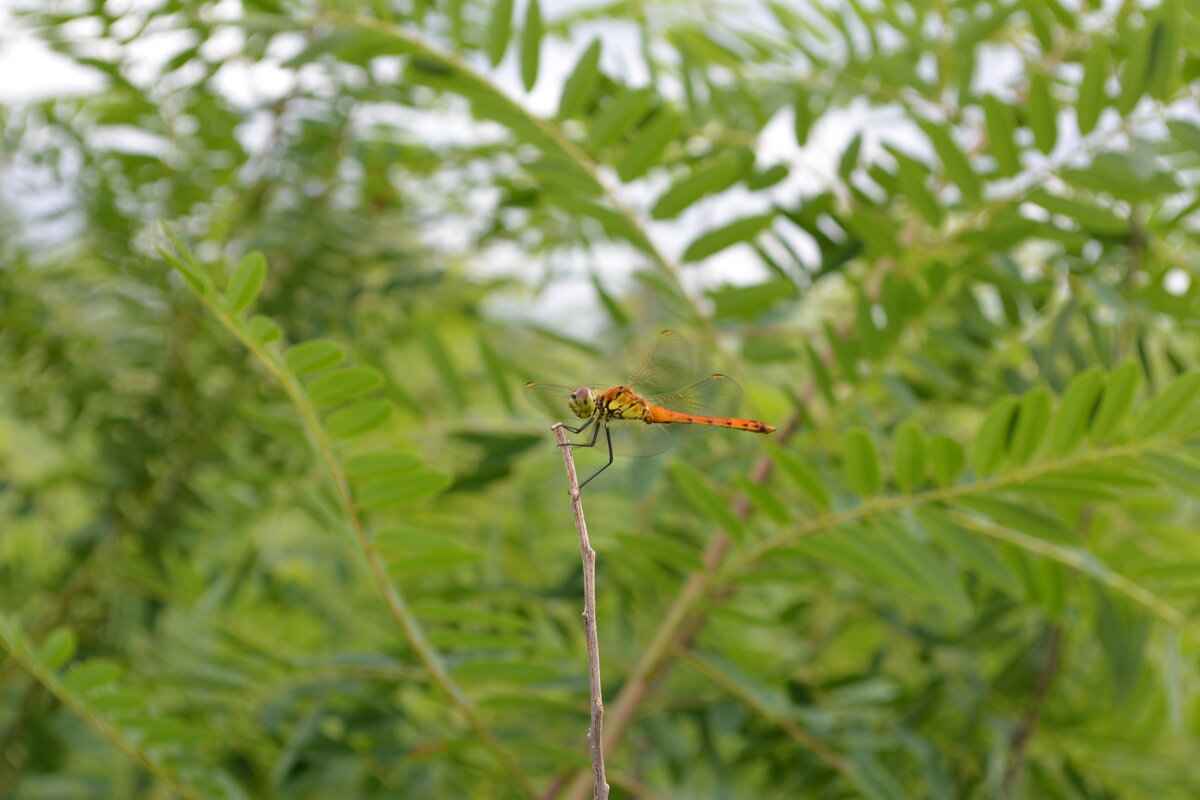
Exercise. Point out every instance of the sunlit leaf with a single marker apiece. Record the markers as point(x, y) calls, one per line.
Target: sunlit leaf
point(56, 648)
point(499, 30)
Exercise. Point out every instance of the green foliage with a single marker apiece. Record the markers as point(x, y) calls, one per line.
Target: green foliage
point(273, 522)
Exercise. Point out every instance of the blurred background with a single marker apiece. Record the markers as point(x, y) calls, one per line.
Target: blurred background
point(276, 519)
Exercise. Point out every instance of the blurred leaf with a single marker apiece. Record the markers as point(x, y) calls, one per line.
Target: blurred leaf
point(1075, 411)
point(1033, 415)
point(1166, 409)
point(531, 44)
point(1116, 402)
point(908, 453)
point(954, 161)
point(619, 116)
point(971, 550)
point(695, 487)
point(1001, 142)
point(397, 488)
point(1043, 113)
point(1092, 97)
point(499, 30)
point(714, 176)
point(581, 83)
point(91, 674)
point(313, 356)
point(358, 419)
point(246, 282)
point(861, 461)
point(947, 458)
point(343, 384)
point(646, 149)
point(804, 476)
point(991, 442)
point(263, 330)
point(56, 648)
point(714, 241)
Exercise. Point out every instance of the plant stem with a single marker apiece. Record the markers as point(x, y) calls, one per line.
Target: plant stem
point(596, 699)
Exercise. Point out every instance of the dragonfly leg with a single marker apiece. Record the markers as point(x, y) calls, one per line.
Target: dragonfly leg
point(581, 429)
point(607, 436)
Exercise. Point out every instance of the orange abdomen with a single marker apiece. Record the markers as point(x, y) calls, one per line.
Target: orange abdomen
point(666, 416)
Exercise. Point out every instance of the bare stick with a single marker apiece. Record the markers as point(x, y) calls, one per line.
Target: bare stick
point(596, 729)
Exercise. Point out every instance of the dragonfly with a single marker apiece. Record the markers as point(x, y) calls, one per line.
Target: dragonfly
point(663, 392)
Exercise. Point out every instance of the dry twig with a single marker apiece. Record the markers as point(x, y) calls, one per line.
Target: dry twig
point(596, 729)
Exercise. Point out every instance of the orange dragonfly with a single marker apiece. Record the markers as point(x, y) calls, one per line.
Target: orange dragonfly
point(663, 391)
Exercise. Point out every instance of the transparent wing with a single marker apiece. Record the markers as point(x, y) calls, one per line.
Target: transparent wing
point(668, 367)
point(634, 438)
point(715, 396)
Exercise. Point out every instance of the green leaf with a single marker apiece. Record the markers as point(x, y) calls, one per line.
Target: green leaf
point(740, 230)
point(908, 452)
point(655, 137)
point(395, 489)
point(507, 670)
point(1122, 629)
point(358, 418)
point(1118, 398)
point(386, 462)
point(1165, 39)
point(946, 456)
point(91, 674)
point(1043, 115)
point(763, 499)
point(992, 439)
point(1092, 98)
point(57, 648)
point(1075, 410)
point(313, 356)
point(1168, 407)
point(970, 550)
point(714, 176)
point(861, 462)
point(1020, 517)
point(531, 44)
point(343, 384)
point(695, 487)
point(263, 330)
point(619, 116)
point(805, 477)
point(499, 30)
point(246, 282)
point(1001, 141)
point(873, 781)
point(1033, 415)
point(954, 161)
point(581, 83)
point(849, 159)
point(1094, 218)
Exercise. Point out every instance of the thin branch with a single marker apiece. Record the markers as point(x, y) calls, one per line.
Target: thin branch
point(596, 700)
point(1024, 732)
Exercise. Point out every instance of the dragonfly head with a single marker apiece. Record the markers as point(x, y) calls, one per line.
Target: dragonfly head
point(582, 402)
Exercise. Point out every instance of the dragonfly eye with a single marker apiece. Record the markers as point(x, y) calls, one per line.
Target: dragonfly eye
point(582, 402)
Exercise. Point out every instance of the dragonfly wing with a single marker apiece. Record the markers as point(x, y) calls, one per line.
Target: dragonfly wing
point(668, 367)
point(634, 438)
point(715, 396)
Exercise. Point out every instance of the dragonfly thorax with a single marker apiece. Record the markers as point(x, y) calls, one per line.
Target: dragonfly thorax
point(582, 402)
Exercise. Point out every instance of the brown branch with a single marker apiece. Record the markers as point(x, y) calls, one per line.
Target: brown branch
point(596, 699)
point(1024, 732)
